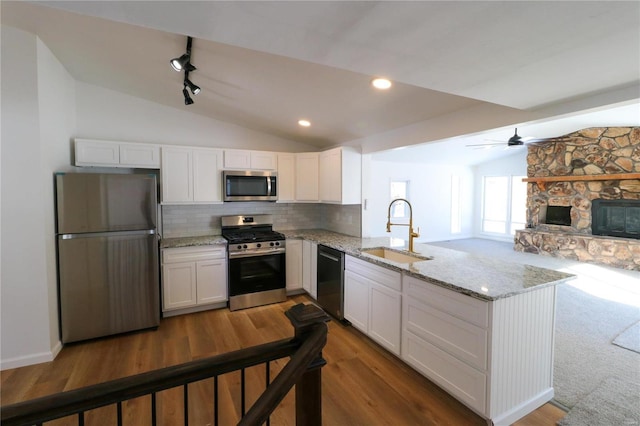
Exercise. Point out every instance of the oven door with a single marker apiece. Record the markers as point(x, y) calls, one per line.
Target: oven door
point(253, 274)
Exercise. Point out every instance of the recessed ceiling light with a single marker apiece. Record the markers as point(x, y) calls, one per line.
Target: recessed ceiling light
point(381, 83)
point(304, 123)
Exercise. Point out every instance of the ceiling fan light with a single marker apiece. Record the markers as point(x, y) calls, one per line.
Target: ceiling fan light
point(179, 64)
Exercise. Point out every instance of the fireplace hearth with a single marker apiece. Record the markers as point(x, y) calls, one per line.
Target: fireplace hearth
point(616, 218)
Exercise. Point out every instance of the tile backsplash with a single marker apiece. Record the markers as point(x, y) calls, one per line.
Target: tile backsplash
point(199, 220)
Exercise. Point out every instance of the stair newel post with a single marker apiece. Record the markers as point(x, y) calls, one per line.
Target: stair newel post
point(305, 319)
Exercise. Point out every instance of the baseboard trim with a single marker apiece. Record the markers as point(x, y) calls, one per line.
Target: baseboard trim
point(31, 359)
point(516, 413)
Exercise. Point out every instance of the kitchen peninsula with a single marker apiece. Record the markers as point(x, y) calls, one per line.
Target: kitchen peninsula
point(480, 328)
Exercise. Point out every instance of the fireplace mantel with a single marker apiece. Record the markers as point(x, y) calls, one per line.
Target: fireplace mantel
point(542, 181)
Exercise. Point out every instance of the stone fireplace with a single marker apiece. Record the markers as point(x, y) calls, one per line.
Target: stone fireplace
point(592, 170)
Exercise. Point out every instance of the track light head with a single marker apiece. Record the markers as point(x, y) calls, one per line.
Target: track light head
point(194, 89)
point(187, 98)
point(181, 63)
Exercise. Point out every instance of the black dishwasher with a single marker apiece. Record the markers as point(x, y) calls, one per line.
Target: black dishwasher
point(330, 281)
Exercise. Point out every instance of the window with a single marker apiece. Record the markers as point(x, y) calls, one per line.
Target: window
point(399, 189)
point(504, 204)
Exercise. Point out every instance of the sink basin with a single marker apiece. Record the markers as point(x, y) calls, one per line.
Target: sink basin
point(395, 256)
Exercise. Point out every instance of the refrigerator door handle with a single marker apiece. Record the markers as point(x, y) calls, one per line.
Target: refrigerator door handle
point(106, 234)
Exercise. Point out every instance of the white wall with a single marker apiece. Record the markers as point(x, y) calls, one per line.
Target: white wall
point(106, 114)
point(56, 99)
point(43, 109)
point(429, 194)
point(512, 165)
point(34, 86)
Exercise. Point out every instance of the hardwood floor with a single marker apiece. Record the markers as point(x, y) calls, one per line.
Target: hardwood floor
point(362, 384)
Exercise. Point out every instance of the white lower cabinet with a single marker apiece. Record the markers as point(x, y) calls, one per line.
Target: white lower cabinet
point(356, 300)
point(310, 268)
point(294, 265)
point(373, 302)
point(494, 356)
point(446, 337)
point(193, 277)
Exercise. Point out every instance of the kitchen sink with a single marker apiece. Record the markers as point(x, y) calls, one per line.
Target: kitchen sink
point(395, 255)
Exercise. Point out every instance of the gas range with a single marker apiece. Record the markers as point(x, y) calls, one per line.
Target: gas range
point(256, 261)
point(251, 235)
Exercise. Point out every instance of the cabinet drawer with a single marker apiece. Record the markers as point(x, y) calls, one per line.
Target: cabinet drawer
point(459, 305)
point(462, 381)
point(466, 341)
point(379, 274)
point(192, 254)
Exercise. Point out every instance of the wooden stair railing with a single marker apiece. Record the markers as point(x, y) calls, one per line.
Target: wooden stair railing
point(302, 370)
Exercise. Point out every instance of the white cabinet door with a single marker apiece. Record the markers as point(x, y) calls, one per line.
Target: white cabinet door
point(306, 266)
point(116, 154)
point(313, 283)
point(286, 177)
point(264, 160)
point(294, 264)
point(307, 176)
point(330, 176)
point(178, 285)
point(207, 175)
point(385, 313)
point(356, 300)
point(237, 159)
point(139, 155)
point(97, 153)
point(177, 175)
point(211, 278)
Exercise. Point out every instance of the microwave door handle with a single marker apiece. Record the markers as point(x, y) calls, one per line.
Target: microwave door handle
point(268, 185)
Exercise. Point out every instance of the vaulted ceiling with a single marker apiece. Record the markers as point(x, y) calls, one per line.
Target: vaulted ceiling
point(459, 68)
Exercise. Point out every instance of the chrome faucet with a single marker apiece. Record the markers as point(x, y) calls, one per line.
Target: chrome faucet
point(412, 234)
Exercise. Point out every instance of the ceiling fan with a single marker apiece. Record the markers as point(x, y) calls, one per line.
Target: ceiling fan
point(515, 140)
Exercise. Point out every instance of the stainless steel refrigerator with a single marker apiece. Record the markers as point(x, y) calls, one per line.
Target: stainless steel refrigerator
point(108, 277)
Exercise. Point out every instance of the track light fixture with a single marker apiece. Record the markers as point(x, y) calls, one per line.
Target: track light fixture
point(194, 89)
point(183, 63)
point(187, 98)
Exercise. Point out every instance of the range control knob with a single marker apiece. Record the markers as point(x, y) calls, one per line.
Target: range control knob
point(244, 246)
point(271, 244)
point(258, 245)
point(239, 247)
point(277, 243)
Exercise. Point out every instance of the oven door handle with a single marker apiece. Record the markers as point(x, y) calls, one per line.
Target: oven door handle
point(255, 253)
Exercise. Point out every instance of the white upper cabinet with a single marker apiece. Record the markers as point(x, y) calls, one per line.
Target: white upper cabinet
point(286, 177)
point(307, 177)
point(191, 175)
point(207, 175)
point(237, 159)
point(116, 154)
point(340, 179)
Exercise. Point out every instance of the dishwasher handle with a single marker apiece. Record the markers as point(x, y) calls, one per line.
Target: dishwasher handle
point(328, 256)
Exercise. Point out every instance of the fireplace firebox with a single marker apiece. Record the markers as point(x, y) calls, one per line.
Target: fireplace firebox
point(556, 215)
point(616, 218)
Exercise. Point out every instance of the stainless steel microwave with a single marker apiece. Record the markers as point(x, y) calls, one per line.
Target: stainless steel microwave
point(250, 185)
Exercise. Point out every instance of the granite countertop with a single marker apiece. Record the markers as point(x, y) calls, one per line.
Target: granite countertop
point(478, 276)
point(482, 277)
point(207, 240)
